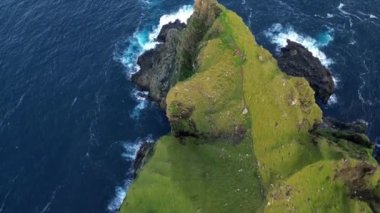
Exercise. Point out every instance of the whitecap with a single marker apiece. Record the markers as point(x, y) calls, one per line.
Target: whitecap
point(332, 100)
point(369, 15)
point(279, 35)
point(142, 103)
point(130, 151)
point(329, 15)
point(341, 5)
point(336, 81)
point(117, 201)
point(74, 101)
point(345, 13)
point(352, 42)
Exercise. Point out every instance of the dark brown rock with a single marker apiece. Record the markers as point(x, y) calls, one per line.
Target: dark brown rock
point(165, 29)
point(142, 156)
point(296, 60)
point(335, 130)
point(157, 67)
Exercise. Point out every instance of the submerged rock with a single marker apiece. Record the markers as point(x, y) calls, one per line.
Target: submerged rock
point(296, 60)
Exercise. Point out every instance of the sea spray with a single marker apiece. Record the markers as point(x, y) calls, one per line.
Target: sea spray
point(278, 35)
point(145, 39)
point(142, 40)
point(129, 154)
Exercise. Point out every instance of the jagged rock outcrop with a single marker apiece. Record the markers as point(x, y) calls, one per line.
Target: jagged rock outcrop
point(335, 130)
point(158, 65)
point(173, 60)
point(143, 154)
point(296, 60)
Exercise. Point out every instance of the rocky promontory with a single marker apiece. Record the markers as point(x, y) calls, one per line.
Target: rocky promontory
point(157, 65)
point(296, 60)
point(245, 136)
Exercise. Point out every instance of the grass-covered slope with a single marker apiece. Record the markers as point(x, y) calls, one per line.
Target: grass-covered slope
point(241, 140)
point(197, 178)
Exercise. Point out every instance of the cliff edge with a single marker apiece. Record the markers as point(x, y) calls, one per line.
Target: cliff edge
point(246, 137)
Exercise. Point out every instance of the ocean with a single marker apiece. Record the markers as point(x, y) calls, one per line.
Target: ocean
point(71, 121)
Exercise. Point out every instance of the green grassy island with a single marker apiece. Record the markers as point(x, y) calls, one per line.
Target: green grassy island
point(241, 136)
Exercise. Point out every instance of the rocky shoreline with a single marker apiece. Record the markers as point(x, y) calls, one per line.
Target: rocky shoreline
point(157, 65)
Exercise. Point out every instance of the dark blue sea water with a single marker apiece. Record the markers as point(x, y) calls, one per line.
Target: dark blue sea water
point(71, 121)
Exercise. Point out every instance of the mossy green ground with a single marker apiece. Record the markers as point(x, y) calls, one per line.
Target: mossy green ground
point(278, 166)
point(194, 177)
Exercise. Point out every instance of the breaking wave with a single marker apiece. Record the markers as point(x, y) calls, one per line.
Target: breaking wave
point(142, 40)
point(129, 155)
point(145, 39)
point(278, 35)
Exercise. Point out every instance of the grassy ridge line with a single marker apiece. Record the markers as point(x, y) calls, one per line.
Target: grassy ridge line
point(203, 176)
point(278, 166)
point(299, 175)
point(282, 109)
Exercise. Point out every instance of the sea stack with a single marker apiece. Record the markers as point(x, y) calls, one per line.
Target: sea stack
point(296, 60)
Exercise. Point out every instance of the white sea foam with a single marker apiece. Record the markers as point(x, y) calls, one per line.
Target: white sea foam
point(183, 14)
point(145, 38)
point(142, 103)
point(117, 201)
point(347, 14)
point(279, 35)
point(74, 101)
point(129, 154)
point(336, 81)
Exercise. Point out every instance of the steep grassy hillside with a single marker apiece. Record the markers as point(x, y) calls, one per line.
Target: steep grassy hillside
point(240, 137)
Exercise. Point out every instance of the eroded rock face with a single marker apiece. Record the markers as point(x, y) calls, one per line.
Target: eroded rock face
point(356, 180)
point(296, 60)
point(166, 28)
point(336, 130)
point(142, 156)
point(157, 65)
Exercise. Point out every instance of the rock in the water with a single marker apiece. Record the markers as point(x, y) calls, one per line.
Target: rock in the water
point(358, 126)
point(165, 29)
point(158, 65)
point(296, 60)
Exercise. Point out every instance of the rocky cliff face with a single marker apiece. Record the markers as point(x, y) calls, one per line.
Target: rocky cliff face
point(245, 136)
point(158, 65)
point(296, 60)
